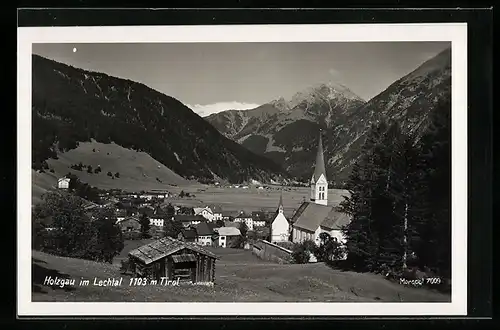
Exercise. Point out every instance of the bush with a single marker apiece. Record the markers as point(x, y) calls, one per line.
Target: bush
point(302, 252)
point(110, 174)
point(117, 175)
point(329, 249)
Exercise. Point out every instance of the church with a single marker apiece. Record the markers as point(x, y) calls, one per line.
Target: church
point(280, 228)
point(316, 216)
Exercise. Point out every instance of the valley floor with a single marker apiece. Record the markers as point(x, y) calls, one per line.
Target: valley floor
point(240, 277)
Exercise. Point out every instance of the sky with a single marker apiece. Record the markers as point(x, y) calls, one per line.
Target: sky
point(213, 77)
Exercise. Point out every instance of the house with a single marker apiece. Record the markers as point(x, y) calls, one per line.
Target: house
point(187, 235)
point(168, 259)
point(217, 211)
point(280, 227)
point(228, 237)
point(246, 218)
point(205, 233)
point(315, 217)
point(189, 220)
point(260, 219)
point(205, 212)
point(129, 224)
point(63, 183)
point(157, 218)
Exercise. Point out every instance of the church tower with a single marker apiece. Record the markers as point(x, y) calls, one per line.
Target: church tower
point(319, 184)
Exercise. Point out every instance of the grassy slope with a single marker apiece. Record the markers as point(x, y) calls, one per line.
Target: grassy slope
point(240, 276)
point(138, 171)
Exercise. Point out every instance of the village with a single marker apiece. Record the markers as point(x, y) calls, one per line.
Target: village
point(181, 241)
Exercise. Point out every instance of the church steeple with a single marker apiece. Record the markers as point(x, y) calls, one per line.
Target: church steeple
point(320, 162)
point(280, 205)
point(319, 183)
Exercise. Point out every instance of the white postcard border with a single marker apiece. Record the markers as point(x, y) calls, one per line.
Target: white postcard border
point(454, 32)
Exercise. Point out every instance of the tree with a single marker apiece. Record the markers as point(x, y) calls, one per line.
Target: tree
point(89, 169)
point(117, 175)
point(432, 241)
point(243, 230)
point(219, 223)
point(172, 228)
point(329, 249)
point(145, 226)
point(110, 174)
point(72, 231)
point(169, 211)
point(182, 194)
point(108, 240)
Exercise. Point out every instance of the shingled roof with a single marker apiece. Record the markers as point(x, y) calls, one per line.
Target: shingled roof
point(163, 247)
point(205, 229)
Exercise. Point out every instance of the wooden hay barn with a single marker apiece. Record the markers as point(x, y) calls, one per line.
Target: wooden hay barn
point(173, 259)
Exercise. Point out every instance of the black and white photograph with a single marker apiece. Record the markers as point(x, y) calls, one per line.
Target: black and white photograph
point(256, 164)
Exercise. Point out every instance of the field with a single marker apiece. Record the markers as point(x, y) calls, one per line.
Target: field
point(251, 199)
point(240, 277)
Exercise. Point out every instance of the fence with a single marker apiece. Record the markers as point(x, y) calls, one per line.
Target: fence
point(272, 252)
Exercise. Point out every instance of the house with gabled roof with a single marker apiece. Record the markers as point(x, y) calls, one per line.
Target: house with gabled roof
point(157, 218)
point(246, 218)
point(228, 237)
point(205, 212)
point(205, 233)
point(189, 220)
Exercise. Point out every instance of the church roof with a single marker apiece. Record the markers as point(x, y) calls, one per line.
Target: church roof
point(320, 162)
point(310, 216)
point(336, 219)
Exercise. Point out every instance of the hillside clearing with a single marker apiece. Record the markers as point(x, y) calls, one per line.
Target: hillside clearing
point(138, 170)
point(240, 277)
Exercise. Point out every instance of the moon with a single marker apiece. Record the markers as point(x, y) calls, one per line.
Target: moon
point(74, 50)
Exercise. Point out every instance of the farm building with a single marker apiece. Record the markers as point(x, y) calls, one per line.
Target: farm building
point(173, 259)
point(63, 183)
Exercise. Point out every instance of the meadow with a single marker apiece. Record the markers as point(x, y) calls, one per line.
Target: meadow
point(240, 277)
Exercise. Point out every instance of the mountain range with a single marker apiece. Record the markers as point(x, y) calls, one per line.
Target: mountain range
point(286, 131)
point(71, 105)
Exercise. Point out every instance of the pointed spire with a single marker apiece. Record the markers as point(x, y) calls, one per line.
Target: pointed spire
point(320, 161)
point(281, 199)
